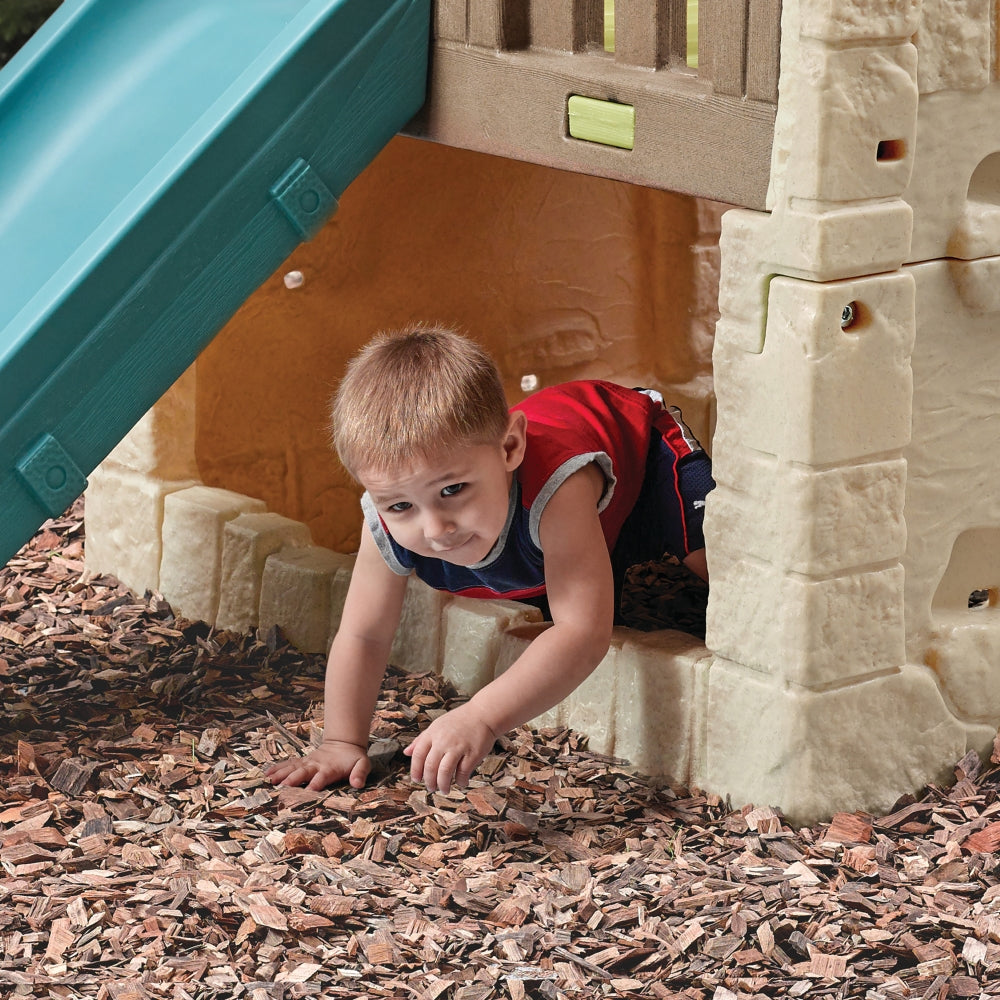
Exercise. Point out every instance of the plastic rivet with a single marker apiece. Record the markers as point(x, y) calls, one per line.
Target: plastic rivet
point(51, 474)
point(56, 477)
point(303, 197)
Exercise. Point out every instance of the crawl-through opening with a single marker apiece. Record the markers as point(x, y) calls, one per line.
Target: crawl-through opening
point(972, 580)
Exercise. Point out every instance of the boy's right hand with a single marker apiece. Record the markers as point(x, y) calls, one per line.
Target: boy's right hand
point(332, 761)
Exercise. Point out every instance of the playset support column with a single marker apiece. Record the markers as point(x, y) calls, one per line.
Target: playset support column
point(811, 703)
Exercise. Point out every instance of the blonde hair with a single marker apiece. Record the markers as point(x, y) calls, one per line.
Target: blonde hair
point(412, 392)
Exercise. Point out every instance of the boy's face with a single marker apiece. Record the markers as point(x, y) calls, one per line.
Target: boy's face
point(453, 504)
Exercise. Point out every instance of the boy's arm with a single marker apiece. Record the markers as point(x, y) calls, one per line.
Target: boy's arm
point(697, 562)
point(354, 672)
point(580, 590)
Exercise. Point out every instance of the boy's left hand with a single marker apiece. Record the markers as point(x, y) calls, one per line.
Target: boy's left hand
point(450, 749)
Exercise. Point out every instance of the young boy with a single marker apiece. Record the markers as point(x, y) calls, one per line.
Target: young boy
point(551, 500)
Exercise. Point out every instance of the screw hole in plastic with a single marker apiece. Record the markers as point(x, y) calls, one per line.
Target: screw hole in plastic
point(890, 150)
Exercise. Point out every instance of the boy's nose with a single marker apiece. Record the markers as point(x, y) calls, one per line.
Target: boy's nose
point(437, 528)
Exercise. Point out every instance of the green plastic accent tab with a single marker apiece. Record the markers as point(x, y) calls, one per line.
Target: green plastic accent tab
point(304, 198)
point(606, 122)
point(692, 33)
point(609, 25)
point(51, 475)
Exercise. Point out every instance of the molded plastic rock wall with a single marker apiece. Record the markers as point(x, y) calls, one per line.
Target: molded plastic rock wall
point(856, 461)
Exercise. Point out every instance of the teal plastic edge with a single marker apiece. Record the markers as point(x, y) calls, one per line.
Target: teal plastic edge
point(160, 208)
point(147, 356)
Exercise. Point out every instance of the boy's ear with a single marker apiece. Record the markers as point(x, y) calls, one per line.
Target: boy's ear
point(515, 440)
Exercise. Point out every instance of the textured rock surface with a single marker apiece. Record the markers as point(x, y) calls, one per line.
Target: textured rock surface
point(419, 640)
point(162, 443)
point(859, 20)
point(247, 541)
point(191, 566)
point(472, 631)
point(953, 45)
point(846, 462)
point(125, 516)
point(297, 594)
point(658, 709)
point(807, 750)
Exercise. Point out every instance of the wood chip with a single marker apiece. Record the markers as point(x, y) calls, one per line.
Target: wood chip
point(850, 828)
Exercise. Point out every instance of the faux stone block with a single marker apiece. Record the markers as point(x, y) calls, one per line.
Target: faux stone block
point(591, 707)
point(841, 241)
point(296, 594)
point(472, 632)
point(815, 753)
point(813, 522)
point(789, 400)
point(190, 570)
point(247, 541)
point(124, 511)
point(977, 282)
point(745, 243)
point(853, 114)
point(955, 187)
point(953, 39)
point(657, 711)
point(513, 643)
point(964, 650)
point(699, 734)
point(808, 632)
point(980, 737)
point(820, 244)
point(858, 20)
point(953, 490)
point(419, 643)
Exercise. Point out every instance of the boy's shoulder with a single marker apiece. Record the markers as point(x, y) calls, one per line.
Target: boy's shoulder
point(577, 423)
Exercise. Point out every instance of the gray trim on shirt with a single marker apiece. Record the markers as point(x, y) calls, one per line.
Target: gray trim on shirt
point(571, 465)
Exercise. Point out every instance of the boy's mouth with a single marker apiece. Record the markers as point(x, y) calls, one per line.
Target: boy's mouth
point(441, 550)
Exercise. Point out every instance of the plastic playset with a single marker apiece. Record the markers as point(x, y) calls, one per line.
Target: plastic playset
point(161, 160)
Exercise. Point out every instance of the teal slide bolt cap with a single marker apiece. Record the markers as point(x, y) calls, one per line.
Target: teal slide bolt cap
point(51, 475)
point(304, 198)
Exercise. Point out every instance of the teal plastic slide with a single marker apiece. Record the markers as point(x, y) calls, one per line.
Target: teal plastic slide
point(158, 160)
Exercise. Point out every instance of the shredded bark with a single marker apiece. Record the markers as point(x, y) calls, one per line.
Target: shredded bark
point(144, 854)
point(664, 594)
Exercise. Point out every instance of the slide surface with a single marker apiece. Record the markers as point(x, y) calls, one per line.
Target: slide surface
point(158, 160)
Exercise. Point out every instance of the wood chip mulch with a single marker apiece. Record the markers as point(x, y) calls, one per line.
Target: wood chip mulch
point(665, 594)
point(144, 855)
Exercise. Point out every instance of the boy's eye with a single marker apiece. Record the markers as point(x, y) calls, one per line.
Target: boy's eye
point(450, 491)
point(399, 508)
